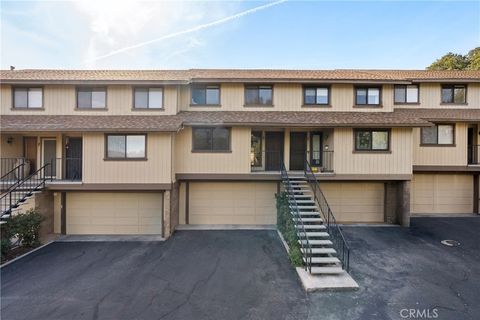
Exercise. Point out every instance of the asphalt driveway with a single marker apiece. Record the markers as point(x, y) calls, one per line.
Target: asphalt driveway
point(246, 275)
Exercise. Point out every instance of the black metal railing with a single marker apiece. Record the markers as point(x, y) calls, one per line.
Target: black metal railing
point(273, 160)
point(473, 154)
point(323, 160)
point(333, 229)
point(8, 164)
point(65, 169)
point(266, 161)
point(22, 189)
point(293, 206)
point(12, 177)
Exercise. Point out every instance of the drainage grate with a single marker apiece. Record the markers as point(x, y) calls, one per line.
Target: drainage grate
point(450, 243)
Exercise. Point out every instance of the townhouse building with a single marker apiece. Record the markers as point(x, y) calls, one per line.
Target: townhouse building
point(143, 151)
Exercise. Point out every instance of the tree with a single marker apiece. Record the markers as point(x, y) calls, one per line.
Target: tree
point(473, 57)
point(450, 61)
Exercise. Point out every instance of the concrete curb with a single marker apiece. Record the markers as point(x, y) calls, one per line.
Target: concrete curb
point(26, 254)
point(109, 238)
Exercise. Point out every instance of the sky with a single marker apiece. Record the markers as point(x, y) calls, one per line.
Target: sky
point(127, 34)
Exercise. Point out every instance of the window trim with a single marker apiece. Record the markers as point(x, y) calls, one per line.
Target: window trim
point(80, 88)
point(148, 97)
point(229, 150)
point(367, 87)
point(256, 105)
point(389, 140)
point(440, 144)
point(28, 88)
point(206, 85)
point(453, 85)
point(313, 105)
point(107, 158)
point(406, 85)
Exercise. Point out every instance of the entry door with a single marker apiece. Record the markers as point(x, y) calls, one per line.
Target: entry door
point(472, 152)
point(30, 152)
point(73, 161)
point(273, 150)
point(298, 149)
point(316, 149)
point(49, 147)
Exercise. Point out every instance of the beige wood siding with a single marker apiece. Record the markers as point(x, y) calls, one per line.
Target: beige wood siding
point(236, 161)
point(287, 97)
point(156, 169)
point(355, 202)
point(232, 203)
point(441, 155)
point(441, 194)
point(398, 161)
point(114, 213)
point(430, 97)
point(61, 99)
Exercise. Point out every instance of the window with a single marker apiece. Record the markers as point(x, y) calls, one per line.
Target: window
point(148, 98)
point(206, 95)
point(454, 94)
point(367, 96)
point(372, 140)
point(258, 95)
point(91, 98)
point(440, 134)
point(406, 93)
point(212, 139)
point(121, 146)
point(316, 95)
point(31, 98)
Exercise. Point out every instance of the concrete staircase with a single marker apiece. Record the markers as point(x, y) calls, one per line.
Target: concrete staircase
point(316, 242)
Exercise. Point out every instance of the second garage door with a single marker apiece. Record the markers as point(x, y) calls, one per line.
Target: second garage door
point(232, 203)
point(356, 201)
point(114, 213)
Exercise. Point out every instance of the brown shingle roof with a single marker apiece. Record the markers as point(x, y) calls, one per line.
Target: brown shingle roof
point(301, 118)
point(23, 123)
point(184, 76)
point(468, 115)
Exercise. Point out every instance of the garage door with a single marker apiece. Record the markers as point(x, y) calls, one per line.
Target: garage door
point(114, 213)
point(355, 202)
point(441, 194)
point(232, 203)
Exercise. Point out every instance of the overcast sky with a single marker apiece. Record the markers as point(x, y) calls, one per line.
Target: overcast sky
point(116, 34)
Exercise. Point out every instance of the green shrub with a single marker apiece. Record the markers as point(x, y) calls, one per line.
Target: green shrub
point(26, 227)
point(286, 226)
point(6, 235)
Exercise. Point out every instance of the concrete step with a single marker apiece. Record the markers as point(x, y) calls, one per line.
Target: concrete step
point(324, 260)
point(311, 226)
point(300, 201)
point(303, 208)
point(297, 196)
point(317, 242)
point(314, 234)
point(326, 270)
point(308, 213)
point(310, 219)
point(298, 182)
point(320, 250)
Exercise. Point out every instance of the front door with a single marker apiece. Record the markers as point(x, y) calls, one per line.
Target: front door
point(298, 149)
point(273, 150)
point(73, 161)
point(471, 148)
point(30, 152)
point(49, 151)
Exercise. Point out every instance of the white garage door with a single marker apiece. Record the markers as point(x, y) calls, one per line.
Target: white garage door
point(114, 213)
point(355, 202)
point(232, 203)
point(441, 194)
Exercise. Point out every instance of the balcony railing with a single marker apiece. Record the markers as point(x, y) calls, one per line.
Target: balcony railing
point(13, 169)
point(473, 154)
point(322, 161)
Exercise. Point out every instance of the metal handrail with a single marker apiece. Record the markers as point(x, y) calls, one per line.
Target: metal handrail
point(307, 248)
point(21, 189)
point(4, 180)
point(333, 229)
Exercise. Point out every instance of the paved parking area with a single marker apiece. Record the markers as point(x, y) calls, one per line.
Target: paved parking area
point(246, 275)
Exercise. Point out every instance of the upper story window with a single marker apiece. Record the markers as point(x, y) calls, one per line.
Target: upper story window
point(440, 134)
point(148, 98)
point(126, 147)
point(316, 96)
point(259, 95)
point(372, 140)
point(367, 96)
point(211, 139)
point(456, 93)
point(406, 93)
point(205, 95)
point(91, 98)
point(27, 98)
